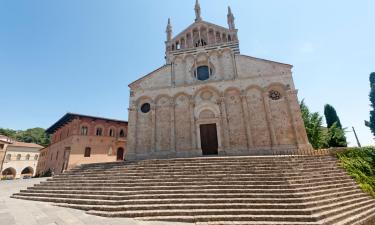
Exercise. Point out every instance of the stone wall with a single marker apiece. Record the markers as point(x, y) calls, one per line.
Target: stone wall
point(252, 102)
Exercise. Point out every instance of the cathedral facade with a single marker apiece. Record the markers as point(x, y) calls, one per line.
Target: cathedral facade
point(208, 99)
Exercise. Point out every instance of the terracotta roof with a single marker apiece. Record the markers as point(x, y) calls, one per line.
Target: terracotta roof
point(70, 116)
point(24, 144)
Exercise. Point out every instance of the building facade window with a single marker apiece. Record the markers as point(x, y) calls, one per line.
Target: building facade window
point(27, 157)
point(84, 130)
point(1, 146)
point(36, 157)
point(99, 131)
point(87, 152)
point(202, 73)
point(18, 156)
point(122, 133)
point(9, 157)
point(146, 107)
point(111, 132)
point(274, 95)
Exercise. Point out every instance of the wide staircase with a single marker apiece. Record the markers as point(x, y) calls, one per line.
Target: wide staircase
point(275, 190)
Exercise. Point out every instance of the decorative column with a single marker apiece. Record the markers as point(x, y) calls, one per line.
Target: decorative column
point(271, 129)
point(192, 124)
point(246, 118)
point(225, 125)
point(153, 132)
point(192, 39)
point(173, 124)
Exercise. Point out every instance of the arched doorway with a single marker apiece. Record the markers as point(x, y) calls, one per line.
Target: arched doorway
point(120, 154)
point(9, 173)
point(209, 142)
point(27, 172)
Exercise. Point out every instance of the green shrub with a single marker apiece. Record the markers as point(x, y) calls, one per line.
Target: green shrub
point(360, 164)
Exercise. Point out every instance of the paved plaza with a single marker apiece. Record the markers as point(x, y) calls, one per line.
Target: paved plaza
point(20, 212)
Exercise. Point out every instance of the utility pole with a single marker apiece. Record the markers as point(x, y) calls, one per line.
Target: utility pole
point(356, 137)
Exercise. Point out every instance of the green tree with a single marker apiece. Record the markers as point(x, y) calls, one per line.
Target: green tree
point(33, 135)
point(313, 124)
point(371, 123)
point(335, 134)
point(331, 116)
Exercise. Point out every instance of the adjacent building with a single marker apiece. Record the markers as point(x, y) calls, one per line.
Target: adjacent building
point(80, 139)
point(208, 99)
point(20, 159)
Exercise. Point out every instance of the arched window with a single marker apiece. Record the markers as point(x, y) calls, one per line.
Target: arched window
point(99, 131)
point(122, 133)
point(18, 156)
point(36, 157)
point(111, 132)
point(9, 157)
point(200, 42)
point(84, 130)
point(87, 152)
point(27, 157)
point(203, 73)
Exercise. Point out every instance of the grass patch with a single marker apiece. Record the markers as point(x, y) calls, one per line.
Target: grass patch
point(360, 164)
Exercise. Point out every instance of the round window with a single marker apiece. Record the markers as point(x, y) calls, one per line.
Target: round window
point(203, 72)
point(274, 95)
point(145, 108)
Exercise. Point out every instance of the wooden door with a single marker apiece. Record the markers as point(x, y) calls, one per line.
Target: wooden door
point(120, 154)
point(209, 143)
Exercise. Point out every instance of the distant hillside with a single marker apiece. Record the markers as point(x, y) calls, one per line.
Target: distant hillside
point(34, 135)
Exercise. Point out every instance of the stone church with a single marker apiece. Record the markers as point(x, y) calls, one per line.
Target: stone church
point(208, 99)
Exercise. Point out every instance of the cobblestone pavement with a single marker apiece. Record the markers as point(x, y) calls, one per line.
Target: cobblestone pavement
point(21, 212)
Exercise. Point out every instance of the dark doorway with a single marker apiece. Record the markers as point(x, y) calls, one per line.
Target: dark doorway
point(209, 142)
point(120, 154)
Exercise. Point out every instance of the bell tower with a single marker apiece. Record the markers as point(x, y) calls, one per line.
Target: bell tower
point(201, 36)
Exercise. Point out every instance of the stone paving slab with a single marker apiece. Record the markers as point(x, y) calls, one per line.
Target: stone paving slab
point(21, 212)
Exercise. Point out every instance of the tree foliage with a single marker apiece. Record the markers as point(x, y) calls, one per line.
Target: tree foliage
point(360, 164)
point(331, 116)
point(34, 135)
point(336, 134)
point(371, 123)
point(313, 124)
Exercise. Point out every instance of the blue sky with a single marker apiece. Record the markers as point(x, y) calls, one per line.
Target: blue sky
point(79, 55)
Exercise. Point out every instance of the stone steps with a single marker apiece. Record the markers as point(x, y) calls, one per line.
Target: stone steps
point(326, 202)
point(302, 190)
point(243, 189)
point(124, 187)
point(192, 200)
point(192, 178)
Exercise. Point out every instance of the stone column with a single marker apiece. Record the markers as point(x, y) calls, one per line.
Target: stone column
point(173, 124)
point(224, 121)
point(192, 39)
point(153, 132)
point(246, 119)
point(271, 129)
point(132, 134)
point(192, 124)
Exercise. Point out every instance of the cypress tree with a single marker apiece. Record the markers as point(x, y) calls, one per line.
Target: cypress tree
point(372, 100)
point(336, 134)
point(331, 116)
